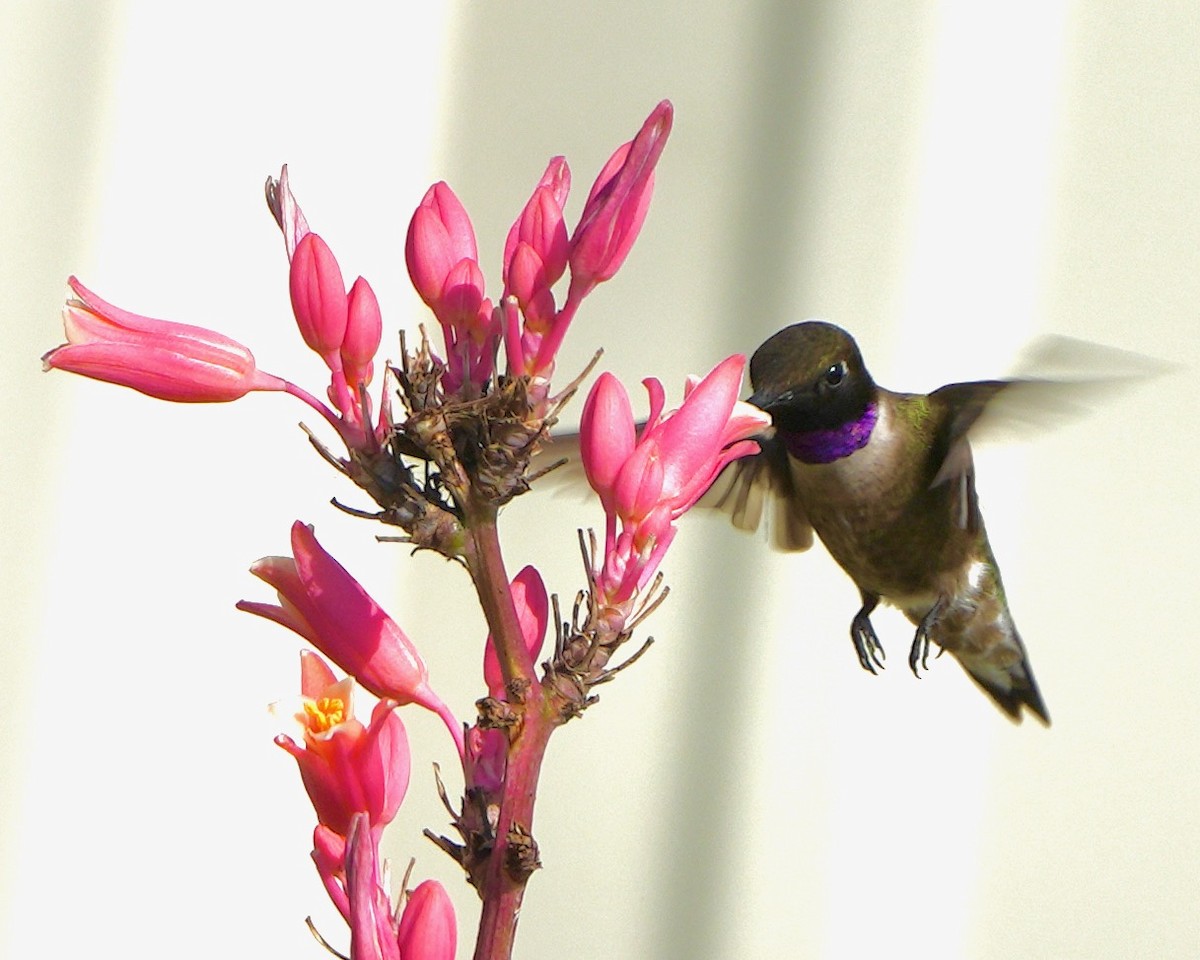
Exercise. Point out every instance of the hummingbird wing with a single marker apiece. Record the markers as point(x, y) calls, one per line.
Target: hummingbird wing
point(955, 408)
point(1059, 379)
point(760, 487)
point(1062, 379)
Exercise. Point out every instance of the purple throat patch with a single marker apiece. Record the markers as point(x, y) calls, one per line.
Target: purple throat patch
point(825, 446)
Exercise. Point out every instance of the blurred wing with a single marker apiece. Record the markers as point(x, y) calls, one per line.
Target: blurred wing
point(1061, 379)
point(760, 488)
point(1058, 379)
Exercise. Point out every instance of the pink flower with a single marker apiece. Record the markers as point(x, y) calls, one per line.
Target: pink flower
point(617, 204)
point(319, 600)
point(427, 927)
point(353, 873)
point(443, 263)
point(364, 330)
point(319, 298)
point(373, 928)
point(648, 481)
point(533, 610)
point(611, 220)
point(170, 361)
point(540, 229)
point(440, 235)
point(347, 768)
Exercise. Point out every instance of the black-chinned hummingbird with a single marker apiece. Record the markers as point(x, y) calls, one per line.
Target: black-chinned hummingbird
point(886, 481)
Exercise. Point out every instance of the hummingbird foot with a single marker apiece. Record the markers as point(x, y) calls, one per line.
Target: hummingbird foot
point(919, 654)
point(866, 642)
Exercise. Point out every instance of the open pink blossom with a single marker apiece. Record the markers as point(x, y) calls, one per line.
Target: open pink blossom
point(347, 767)
point(322, 602)
point(170, 361)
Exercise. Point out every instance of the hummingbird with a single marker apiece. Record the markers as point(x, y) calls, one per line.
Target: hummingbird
point(886, 481)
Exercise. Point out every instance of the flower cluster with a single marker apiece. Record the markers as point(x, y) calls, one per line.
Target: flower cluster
point(443, 261)
point(356, 777)
point(441, 469)
point(647, 481)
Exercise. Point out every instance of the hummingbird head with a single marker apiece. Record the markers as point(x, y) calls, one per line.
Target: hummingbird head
point(810, 376)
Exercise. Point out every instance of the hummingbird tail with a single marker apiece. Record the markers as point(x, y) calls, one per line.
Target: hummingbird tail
point(1012, 687)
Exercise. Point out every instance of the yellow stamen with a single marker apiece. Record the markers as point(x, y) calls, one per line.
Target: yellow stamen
point(324, 713)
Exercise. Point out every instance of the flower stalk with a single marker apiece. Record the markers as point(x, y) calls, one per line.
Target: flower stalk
point(440, 446)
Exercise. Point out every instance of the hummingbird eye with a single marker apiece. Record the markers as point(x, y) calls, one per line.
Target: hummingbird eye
point(835, 374)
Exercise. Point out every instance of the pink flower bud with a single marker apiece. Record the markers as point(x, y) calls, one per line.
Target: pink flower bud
point(639, 485)
point(428, 930)
point(541, 223)
point(607, 435)
point(529, 597)
point(617, 203)
point(439, 236)
point(364, 330)
point(319, 296)
point(170, 361)
point(462, 296)
point(485, 760)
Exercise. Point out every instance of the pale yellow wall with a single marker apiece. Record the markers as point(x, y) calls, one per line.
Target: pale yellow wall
point(946, 180)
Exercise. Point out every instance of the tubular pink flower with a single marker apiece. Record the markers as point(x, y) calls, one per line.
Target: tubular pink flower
point(647, 483)
point(319, 298)
point(428, 930)
point(170, 361)
point(693, 452)
point(348, 768)
point(319, 600)
point(364, 330)
point(373, 929)
point(617, 204)
point(533, 610)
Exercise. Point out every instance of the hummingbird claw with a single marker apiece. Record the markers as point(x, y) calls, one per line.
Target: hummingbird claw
point(920, 646)
point(866, 642)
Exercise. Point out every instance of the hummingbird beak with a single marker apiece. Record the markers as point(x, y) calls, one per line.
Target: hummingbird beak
point(766, 400)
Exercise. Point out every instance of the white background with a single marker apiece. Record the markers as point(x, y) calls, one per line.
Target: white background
point(946, 180)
